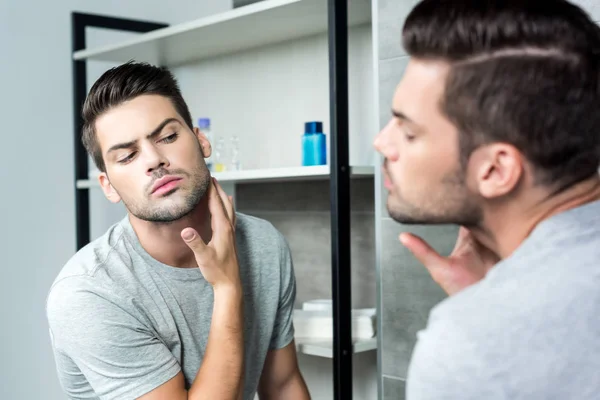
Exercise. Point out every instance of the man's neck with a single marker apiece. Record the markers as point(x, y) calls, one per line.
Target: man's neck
point(163, 242)
point(507, 225)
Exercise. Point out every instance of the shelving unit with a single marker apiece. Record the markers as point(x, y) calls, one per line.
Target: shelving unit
point(319, 172)
point(259, 24)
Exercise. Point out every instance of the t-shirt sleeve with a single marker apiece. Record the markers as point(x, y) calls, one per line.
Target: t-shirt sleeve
point(446, 365)
point(283, 332)
point(100, 335)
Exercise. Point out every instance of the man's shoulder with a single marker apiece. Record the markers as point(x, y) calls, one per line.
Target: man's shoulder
point(93, 255)
point(81, 270)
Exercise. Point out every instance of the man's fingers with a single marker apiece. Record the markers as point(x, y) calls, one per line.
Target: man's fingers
point(421, 250)
point(216, 207)
point(232, 205)
point(226, 201)
point(193, 240)
point(463, 235)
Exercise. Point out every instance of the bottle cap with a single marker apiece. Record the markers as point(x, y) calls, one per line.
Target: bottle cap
point(203, 123)
point(313, 127)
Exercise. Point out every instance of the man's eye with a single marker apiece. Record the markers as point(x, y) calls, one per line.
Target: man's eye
point(126, 159)
point(170, 138)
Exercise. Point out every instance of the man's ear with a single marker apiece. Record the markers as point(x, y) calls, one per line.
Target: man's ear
point(109, 191)
point(499, 169)
point(204, 143)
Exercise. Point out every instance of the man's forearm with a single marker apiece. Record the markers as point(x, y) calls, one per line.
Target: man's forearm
point(295, 388)
point(221, 373)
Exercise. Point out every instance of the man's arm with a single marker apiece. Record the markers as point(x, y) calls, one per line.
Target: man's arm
point(102, 340)
point(281, 377)
point(220, 376)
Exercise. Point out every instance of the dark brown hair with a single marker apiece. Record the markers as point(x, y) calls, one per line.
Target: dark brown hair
point(123, 83)
point(522, 72)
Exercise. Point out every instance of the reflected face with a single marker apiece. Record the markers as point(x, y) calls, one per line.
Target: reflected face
point(154, 161)
point(422, 171)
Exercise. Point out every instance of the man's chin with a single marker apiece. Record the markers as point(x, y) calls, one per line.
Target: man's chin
point(410, 218)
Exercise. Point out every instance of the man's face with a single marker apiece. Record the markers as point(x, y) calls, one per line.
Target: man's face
point(422, 171)
point(154, 162)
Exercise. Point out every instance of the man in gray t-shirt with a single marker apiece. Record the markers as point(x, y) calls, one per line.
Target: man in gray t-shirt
point(123, 323)
point(496, 128)
point(183, 298)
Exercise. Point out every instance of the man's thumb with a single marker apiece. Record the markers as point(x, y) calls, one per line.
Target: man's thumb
point(421, 250)
point(192, 239)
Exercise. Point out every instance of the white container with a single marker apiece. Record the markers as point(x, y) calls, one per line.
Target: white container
point(319, 323)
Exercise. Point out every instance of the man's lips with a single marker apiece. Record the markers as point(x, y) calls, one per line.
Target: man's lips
point(165, 184)
point(387, 182)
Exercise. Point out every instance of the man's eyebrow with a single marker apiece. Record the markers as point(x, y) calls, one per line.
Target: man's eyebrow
point(401, 115)
point(151, 135)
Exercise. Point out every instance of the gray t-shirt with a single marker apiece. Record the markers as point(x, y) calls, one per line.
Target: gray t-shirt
point(529, 331)
point(122, 323)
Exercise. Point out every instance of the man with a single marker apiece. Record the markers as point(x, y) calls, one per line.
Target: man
point(182, 299)
point(496, 128)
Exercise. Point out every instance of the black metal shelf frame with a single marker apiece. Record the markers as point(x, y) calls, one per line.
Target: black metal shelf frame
point(79, 23)
point(339, 168)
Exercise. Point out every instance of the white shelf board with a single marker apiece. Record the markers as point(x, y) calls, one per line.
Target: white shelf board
point(263, 23)
point(287, 174)
point(324, 347)
point(265, 175)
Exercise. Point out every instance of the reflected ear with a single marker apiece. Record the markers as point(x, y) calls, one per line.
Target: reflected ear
point(499, 169)
point(204, 143)
point(109, 191)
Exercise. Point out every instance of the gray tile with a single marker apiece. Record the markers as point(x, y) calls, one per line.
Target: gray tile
point(592, 7)
point(394, 389)
point(301, 196)
point(392, 14)
point(390, 73)
point(362, 252)
point(308, 234)
point(408, 292)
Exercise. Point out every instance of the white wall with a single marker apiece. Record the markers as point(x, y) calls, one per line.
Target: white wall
point(265, 95)
point(36, 178)
point(37, 195)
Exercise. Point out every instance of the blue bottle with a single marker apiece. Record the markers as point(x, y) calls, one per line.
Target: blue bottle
point(314, 145)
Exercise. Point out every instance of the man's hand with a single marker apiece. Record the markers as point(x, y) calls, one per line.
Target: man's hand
point(221, 373)
point(468, 263)
point(217, 260)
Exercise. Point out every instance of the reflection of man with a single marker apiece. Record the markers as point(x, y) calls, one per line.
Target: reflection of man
point(158, 307)
point(496, 128)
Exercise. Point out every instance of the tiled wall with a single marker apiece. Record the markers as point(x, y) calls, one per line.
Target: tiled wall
point(300, 211)
point(407, 293)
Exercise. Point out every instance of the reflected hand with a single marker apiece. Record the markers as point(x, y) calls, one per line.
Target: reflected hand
point(468, 263)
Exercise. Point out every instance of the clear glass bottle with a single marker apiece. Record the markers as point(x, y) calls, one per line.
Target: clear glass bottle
point(235, 164)
point(219, 161)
